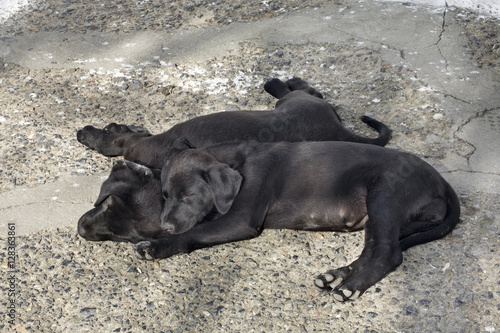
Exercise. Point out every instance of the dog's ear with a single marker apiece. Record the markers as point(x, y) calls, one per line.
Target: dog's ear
point(124, 176)
point(225, 184)
point(180, 144)
point(117, 188)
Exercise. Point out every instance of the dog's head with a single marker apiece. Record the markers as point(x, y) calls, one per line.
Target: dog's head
point(128, 207)
point(196, 187)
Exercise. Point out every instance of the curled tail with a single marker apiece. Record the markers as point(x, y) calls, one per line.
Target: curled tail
point(383, 131)
point(445, 227)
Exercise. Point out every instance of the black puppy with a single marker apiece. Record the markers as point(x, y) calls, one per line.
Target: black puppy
point(301, 114)
point(128, 208)
point(232, 191)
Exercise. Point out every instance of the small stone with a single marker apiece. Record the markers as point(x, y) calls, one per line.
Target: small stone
point(458, 302)
point(410, 311)
point(167, 90)
point(88, 312)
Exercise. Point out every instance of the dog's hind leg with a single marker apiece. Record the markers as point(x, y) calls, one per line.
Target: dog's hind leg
point(334, 277)
point(299, 84)
point(436, 219)
point(380, 256)
point(277, 88)
point(375, 262)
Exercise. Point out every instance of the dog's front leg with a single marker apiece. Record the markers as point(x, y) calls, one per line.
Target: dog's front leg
point(223, 230)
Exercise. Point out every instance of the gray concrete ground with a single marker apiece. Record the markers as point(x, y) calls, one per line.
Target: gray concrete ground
point(430, 73)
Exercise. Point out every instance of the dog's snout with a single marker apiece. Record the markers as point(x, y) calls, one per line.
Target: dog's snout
point(85, 134)
point(165, 225)
point(168, 227)
point(84, 226)
point(80, 135)
point(91, 227)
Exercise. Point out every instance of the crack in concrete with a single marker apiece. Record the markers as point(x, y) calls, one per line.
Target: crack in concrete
point(438, 91)
point(443, 29)
point(470, 171)
point(460, 128)
point(402, 54)
point(477, 115)
point(454, 97)
point(443, 24)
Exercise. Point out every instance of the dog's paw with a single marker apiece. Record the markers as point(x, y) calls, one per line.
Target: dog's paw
point(342, 295)
point(334, 280)
point(328, 281)
point(144, 250)
point(276, 88)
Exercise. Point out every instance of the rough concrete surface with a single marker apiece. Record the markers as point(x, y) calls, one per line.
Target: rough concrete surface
point(432, 74)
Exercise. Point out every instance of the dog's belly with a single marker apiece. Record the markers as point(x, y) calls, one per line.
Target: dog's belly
point(317, 217)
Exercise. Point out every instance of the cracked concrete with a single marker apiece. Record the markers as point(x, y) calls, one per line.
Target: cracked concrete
point(440, 104)
point(485, 158)
point(443, 29)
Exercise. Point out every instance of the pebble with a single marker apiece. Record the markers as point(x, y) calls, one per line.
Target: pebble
point(438, 116)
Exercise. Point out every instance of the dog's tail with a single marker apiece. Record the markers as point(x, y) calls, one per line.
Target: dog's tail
point(445, 227)
point(383, 131)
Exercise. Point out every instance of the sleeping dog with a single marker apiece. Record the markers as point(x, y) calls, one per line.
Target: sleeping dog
point(301, 114)
point(231, 191)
